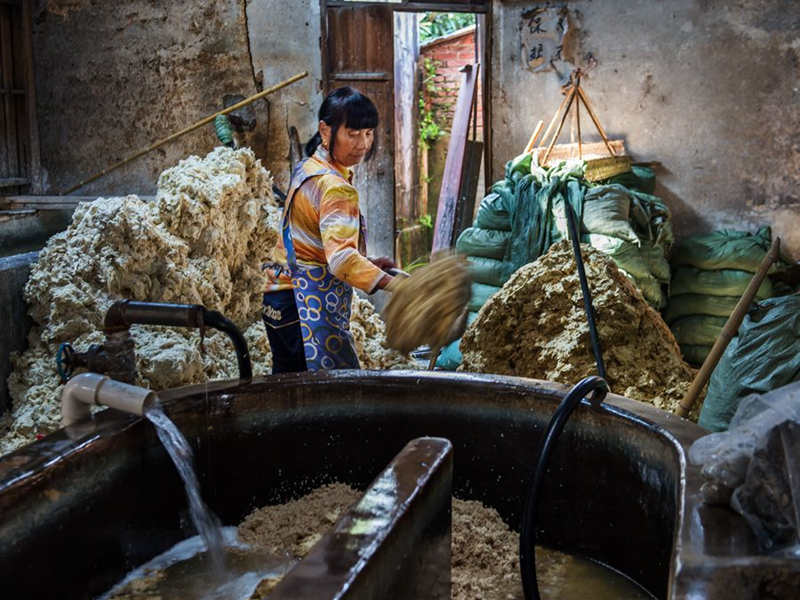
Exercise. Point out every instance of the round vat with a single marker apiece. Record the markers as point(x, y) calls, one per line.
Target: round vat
point(80, 509)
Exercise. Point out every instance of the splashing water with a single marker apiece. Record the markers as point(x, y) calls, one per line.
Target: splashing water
point(206, 522)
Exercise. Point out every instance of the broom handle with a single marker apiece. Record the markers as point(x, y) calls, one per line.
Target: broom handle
point(200, 123)
point(729, 331)
point(560, 125)
point(595, 120)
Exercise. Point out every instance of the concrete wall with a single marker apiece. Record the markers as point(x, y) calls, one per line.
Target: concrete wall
point(707, 87)
point(14, 272)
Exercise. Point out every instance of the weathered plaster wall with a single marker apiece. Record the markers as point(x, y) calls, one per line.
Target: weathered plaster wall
point(111, 78)
point(710, 88)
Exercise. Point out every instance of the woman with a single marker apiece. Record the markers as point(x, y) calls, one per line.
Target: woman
point(307, 304)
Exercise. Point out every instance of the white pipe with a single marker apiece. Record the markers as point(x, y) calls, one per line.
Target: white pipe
point(83, 390)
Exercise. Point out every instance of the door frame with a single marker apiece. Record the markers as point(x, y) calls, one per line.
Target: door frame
point(481, 8)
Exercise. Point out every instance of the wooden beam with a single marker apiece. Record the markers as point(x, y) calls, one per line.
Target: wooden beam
point(476, 6)
point(34, 161)
point(51, 202)
point(454, 163)
point(13, 181)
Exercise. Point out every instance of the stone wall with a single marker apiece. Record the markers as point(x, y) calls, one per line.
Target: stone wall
point(708, 88)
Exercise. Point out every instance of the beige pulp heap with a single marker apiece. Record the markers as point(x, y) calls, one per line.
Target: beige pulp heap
point(214, 222)
point(535, 326)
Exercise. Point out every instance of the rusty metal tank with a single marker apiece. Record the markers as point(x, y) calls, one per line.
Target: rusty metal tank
point(619, 490)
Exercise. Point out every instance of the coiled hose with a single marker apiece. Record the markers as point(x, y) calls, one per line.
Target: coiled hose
point(598, 387)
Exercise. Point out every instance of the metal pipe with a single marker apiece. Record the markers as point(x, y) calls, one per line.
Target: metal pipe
point(124, 313)
point(587, 294)
point(527, 537)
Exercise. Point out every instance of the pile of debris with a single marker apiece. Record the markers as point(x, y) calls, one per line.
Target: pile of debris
point(535, 326)
point(214, 222)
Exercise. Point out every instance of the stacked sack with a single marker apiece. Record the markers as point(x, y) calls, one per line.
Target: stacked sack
point(710, 273)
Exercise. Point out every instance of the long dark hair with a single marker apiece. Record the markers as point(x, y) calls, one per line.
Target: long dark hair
point(349, 107)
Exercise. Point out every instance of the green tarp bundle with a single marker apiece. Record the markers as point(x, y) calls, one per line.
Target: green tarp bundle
point(764, 356)
point(450, 356)
point(480, 294)
point(493, 213)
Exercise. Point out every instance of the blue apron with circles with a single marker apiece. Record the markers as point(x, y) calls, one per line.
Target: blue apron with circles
point(323, 300)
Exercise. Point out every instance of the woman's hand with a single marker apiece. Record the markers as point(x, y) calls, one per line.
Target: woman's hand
point(384, 263)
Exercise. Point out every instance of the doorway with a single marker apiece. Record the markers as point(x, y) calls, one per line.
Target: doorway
point(394, 51)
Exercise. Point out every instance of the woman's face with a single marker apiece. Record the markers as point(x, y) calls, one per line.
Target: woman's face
point(351, 145)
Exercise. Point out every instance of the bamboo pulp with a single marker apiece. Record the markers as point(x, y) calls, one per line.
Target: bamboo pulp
point(178, 134)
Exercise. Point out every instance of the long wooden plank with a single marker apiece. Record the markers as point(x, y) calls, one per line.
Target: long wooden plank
point(454, 163)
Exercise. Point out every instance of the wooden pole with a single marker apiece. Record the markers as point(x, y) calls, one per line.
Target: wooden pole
point(560, 126)
point(729, 331)
point(554, 120)
point(200, 123)
point(534, 138)
point(595, 120)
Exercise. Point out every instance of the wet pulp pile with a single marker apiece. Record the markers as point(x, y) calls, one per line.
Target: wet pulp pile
point(214, 222)
point(535, 326)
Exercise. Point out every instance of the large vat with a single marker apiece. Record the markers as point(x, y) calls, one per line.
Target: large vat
point(77, 514)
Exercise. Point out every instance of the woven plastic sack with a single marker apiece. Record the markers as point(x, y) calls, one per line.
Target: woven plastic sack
point(725, 282)
point(480, 294)
point(694, 354)
point(699, 304)
point(489, 243)
point(493, 213)
point(488, 270)
point(652, 291)
point(626, 255)
point(754, 467)
point(450, 356)
point(726, 249)
point(607, 210)
point(699, 330)
point(657, 264)
point(764, 356)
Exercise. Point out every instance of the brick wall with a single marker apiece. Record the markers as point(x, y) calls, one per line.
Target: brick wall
point(449, 54)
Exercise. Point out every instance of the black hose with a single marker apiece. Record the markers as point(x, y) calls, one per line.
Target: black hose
point(124, 313)
point(587, 295)
point(527, 536)
point(214, 319)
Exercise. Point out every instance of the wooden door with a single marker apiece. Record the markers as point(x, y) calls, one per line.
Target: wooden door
point(359, 51)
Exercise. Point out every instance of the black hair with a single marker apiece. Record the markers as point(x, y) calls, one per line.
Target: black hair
point(349, 107)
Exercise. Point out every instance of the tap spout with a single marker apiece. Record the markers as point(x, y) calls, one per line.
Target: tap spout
point(124, 313)
point(86, 389)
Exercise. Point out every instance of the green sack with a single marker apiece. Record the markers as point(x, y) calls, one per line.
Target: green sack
point(697, 330)
point(480, 294)
point(606, 210)
point(656, 261)
point(694, 355)
point(488, 270)
point(652, 291)
point(726, 249)
point(490, 243)
point(764, 356)
point(493, 213)
point(639, 178)
point(450, 356)
point(626, 255)
point(699, 304)
point(725, 282)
